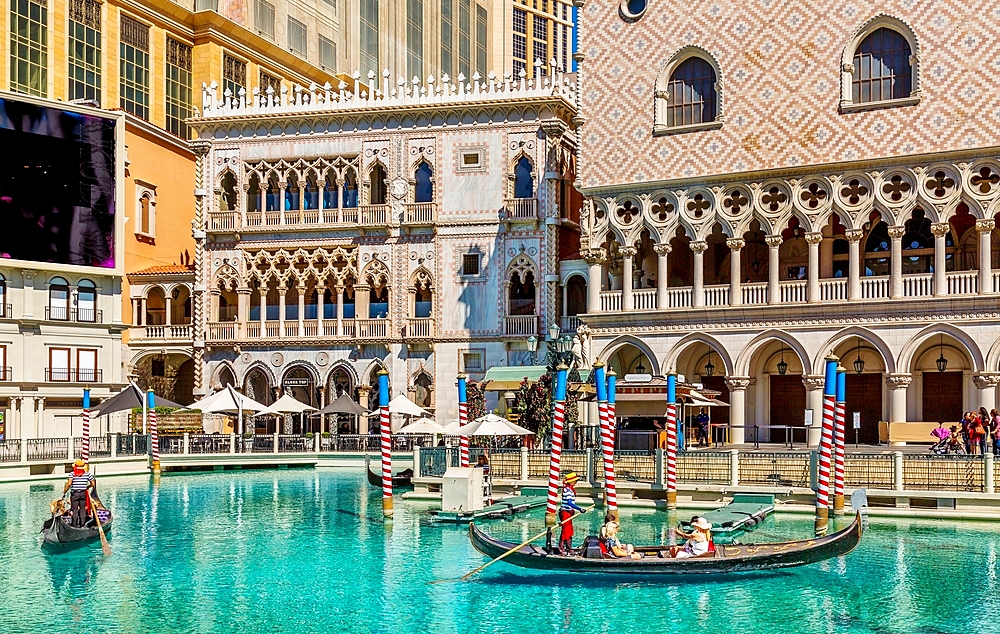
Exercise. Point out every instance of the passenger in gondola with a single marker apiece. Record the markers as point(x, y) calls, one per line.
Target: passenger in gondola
point(698, 540)
point(76, 485)
point(609, 535)
point(567, 510)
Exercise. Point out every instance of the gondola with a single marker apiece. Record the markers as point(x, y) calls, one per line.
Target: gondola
point(402, 479)
point(726, 558)
point(57, 529)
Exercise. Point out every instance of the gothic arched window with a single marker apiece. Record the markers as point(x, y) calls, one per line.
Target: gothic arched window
point(524, 182)
point(423, 190)
point(882, 69)
point(691, 94)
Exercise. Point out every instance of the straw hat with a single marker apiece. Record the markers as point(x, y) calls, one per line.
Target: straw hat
point(702, 523)
point(570, 478)
point(79, 463)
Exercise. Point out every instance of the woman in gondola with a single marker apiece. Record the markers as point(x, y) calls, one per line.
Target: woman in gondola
point(698, 540)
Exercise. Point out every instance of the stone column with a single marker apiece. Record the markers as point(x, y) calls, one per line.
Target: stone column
point(812, 270)
point(262, 291)
point(854, 263)
point(698, 282)
point(14, 418)
point(340, 310)
point(40, 419)
point(363, 392)
point(242, 310)
point(814, 400)
point(302, 306)
point(737, 408)
point(167, 300)
point(628, 255)
point(896, 277)
point(940, 231)
point(897, 384)
point(983, 228)
point(595, 261)
point(281, 308)
point(361, 301)
point(987, 386)
point(662, 272)
point(320, 292)
point(735, 283)
point(142, 311)
point(213, 304)
point(773, 268)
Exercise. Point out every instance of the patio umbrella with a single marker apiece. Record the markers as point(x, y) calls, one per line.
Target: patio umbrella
point(128, 399)
point(493, 425)
point(289, 405)
point(343, 404)
point(453, 426)
point(403, 405)
point(422, 426)
point(229, 401)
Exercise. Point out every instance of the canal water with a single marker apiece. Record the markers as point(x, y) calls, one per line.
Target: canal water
point(307, 551)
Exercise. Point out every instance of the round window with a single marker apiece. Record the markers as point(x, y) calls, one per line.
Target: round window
point(633, 9)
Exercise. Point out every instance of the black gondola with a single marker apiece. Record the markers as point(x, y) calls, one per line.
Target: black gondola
point(57, 529)
point(402, 480)
point(726, 558)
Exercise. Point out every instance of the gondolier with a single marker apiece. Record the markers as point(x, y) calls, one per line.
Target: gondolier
point(567, 510)
point(76, 485)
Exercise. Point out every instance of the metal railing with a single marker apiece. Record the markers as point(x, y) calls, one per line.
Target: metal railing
point(713, 467)
point(132, 445)
point(635, 466)
point(10, 450)
point(208, 443)
point(6, 311)
point(434, 462)
point(505, 463)
point(47, 448)
point(294, 444)
point(6, 374)
point(872, 470)
point(78, 315)
point(943, 473)
point(774, 469)
point(100, 446)
point(74, 375)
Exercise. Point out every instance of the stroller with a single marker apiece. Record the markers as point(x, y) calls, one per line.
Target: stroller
point(946, 446)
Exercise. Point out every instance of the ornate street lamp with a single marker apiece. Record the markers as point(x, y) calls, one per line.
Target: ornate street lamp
point(859, 363)
point(941, 363)
point(533, 348)
point(709, 367)
point(782, 366)
point(554, 332)
point(639, 367)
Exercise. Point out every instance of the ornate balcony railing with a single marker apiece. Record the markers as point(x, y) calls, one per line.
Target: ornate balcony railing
point(521, 325)
point(181, 332)
point(372, 328)
point(965, 282)
point(521, 208)
point(419, 328)
point(222, 331)
point(419, 213)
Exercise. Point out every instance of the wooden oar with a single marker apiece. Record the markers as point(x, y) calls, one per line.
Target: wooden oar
point(105, 546)
point(515, 548)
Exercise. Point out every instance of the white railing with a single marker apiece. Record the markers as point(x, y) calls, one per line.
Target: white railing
point(272, 329)
point(918, 285)
point(611, 301)
point(222, 220)
point(679, 297)
point(420, 327)
point(794, 291)
point(874, 287)
point(253, 330)
point(222, 331)
point(644, 299)
point(419, 213)
point(717, 295)
point(833, 290)
point(372, 215)
point(521, 208)
point(964, 282)
point(372, 328)
point(310, 328)
point(996, 281)
point(386, 93)
point(161, 332)
point(291, 329)
point(754, 293)
point(569, 323)
point(521, 325)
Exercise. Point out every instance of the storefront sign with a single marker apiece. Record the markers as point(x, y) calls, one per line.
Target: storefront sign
point(809, 418)
point(857, 420)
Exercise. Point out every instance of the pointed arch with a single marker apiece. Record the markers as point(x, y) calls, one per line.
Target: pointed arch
point(698, 70)
point(523, 172)
point(342, 365)
point(258, 366)
point(742, 366)
point(216, 381)
point(309, 368)
point(376, 274)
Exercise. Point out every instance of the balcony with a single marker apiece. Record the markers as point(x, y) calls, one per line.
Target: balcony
point(419, 214)
point(222, 331)
point(68, 375)
point(520, 325)
point(521, 209)
point(5, 374)
point(569, 323)
point(180, 333)
point(76, 315)
point(371, 328)
point(361, 216)
point(419, 328)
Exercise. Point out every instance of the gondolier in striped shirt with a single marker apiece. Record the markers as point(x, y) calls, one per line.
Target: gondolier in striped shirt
point(567, 510)
point(76, 485)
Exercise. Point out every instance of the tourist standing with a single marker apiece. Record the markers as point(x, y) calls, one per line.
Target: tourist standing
point(701, 423)
point(995, 431)
point(76, 485)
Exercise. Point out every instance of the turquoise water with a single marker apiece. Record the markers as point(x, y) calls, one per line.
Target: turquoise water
point(307, 551)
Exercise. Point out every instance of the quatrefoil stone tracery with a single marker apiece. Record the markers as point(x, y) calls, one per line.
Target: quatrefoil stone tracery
point(736, 202)
point(698, 205)
point(774, 199)
point(940, 184)
point(813, 196)
point(627, 212)
point(985, 180)
point(662, 210)
point(854, 192)
point(896, 188)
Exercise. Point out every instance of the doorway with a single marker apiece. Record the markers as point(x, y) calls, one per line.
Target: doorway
point(864, 394)
point(942, 397)
point(788, 406)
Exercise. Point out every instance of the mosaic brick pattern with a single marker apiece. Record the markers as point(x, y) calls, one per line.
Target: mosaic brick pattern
point(780, 63)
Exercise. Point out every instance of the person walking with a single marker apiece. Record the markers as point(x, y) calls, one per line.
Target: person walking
point(76, 485)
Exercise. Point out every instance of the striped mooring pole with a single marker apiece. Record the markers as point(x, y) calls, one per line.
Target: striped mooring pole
point(154, 438)
point(385, 430)
point(838, 441)
point(672, 440)
point(608, 449)
point(558, 419)
point(85, 450)
point(463, 420)
point(826, 446)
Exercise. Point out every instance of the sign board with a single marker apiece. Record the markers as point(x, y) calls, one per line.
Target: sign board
point(638, 378)
point(857, 420)
point(297, 382)
point(809, 418)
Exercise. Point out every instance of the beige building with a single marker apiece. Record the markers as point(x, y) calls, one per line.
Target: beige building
point(774, 183)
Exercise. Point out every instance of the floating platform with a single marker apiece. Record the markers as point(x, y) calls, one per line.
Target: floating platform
point(502, 508)
point(743, 513)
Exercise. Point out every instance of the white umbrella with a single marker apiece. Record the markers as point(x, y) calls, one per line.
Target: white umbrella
point(229, 401)
point(422, 426)
point(453, 426)
point(493, 425)
point(288, 405)
point(403, 405)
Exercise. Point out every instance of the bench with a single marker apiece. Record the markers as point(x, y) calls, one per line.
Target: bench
point(915, 432)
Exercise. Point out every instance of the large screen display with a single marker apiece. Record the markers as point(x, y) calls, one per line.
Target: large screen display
point(57, 185)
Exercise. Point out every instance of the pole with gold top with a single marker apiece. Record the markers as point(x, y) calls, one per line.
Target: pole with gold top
point(385, 429)
point(463, 420)
point(558, 419)
point(85, 450)
point(826, 446)
point(840, 413)
point(672, 440)
point(154, 439)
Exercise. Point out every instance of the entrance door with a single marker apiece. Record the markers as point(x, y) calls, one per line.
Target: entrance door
point(942, 397)
point(864, 394)
point(788, 405)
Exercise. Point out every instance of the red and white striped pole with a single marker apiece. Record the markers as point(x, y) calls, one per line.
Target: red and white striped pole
point(826, 447)
point(85, 450)
point(463, 420)
point(838, 441)
point(608, 450)
point(671, 441)
point(385, 429)
point(558, 420)
point(154, 438)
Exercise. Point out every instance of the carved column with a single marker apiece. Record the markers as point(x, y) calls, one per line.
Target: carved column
point(167, 301)
point(854, 263)
point(363, 392)
point(340, 309)
point(735, 283)
point(301, 292)
point(987, 386)
point(628, 255)
point(595, 259)
point(814, 400)
point(896, 275)
point(214, 296)
point(940, 231)
point(737, 408)
point(262, 291)
point(282, 291)
point(897, 384)
point(242, 310)
point(662, 271)
point(773, 268)
point(698, 282)
point(984, 228)
point(361, 300)
point(812, 270)
point(320, 299)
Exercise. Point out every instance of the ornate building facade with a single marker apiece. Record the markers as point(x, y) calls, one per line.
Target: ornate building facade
point(758, 199)
point(417, 229)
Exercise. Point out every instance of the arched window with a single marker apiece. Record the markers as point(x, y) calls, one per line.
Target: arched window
point(310, 196)
point(86, 301)
point(576, 296)
point(422, 393)
point(423, 191)
point(378, 303)
point(329, 193)
point(145, 214)
point(350, 196)
point(882, 69)
point(522, 293)
point(273, 194)
point(422, 294)
point(291, 194)
point(58, 298)
point(691, 94)
point(524, 183)
point(376, 185)
point(877, 248)
point(227, 198)
point(253, 194)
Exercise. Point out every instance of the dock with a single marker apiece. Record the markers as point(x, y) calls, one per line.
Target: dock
point(500, 509)
point(742, 514)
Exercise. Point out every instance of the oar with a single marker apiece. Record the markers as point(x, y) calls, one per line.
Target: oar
point(518, 547)
point(105, 546)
